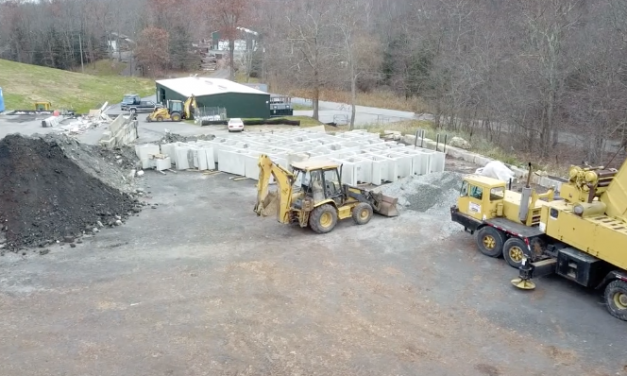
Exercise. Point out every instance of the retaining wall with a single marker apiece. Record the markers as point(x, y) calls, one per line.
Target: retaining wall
point(122, 131)
point(481, 160)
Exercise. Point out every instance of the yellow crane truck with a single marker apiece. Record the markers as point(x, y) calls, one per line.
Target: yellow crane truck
point(581, 235)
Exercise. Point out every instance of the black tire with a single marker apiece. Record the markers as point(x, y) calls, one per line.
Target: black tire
point(616, 299)
point(362, 213)
point(490, 241)
point(323, 219)
point(159, 118)
point(513, 252)
point(176, 116)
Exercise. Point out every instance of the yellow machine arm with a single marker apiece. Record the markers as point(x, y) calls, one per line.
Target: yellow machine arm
point(189, 106)
point(266, 200)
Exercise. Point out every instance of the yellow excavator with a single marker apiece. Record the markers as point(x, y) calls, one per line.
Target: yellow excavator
point(174, 110)
point(581, 235)
point(313, 195)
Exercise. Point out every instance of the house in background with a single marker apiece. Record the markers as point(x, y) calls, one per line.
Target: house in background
point(245, 45)
point(120, 46)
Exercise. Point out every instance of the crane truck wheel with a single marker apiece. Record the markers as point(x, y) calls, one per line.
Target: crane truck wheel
point(616, 299)
point(490, 241)
point(323, 219)
point(362, 213)
point(513, 252)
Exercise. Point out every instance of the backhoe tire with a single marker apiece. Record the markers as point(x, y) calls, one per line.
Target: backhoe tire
point(159, 118)
point(323, 219)
point(616, 299)
point(490, 241)
point(362, 213)
point(513, 252)
point(176, 116)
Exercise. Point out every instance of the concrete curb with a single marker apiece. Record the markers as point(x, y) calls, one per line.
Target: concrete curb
point(481, 160)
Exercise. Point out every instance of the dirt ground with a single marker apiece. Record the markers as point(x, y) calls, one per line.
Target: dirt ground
point(202, 286)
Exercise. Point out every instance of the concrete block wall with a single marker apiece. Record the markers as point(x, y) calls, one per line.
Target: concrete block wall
point(480, 161)
point(122, 131)
point(364, 156)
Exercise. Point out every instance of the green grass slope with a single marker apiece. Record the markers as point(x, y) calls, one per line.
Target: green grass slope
point(24, 84)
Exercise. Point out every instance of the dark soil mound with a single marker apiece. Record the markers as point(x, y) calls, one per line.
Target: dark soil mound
point(45, 195)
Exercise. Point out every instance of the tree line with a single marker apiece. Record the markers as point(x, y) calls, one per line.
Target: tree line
point(531, 74)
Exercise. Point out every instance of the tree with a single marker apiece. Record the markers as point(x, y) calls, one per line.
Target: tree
point(359, 54)
point(151, 57)
point(309, 46)
point(229, 16)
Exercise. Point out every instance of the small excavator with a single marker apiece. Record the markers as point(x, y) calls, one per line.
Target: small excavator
point(313, 196)
point(174, 110)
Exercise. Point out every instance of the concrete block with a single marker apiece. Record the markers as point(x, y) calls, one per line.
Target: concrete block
point(182, 158)
point(161, 164)
point(145, 153)
point(437, 162)
point(379, 169)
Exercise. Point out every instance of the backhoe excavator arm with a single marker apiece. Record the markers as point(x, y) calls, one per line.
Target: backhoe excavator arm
point(284, 180)
point(189, 106)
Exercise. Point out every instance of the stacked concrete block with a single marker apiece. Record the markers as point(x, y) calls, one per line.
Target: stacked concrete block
point(146, 153)
point(162, 163)
point(364, 156)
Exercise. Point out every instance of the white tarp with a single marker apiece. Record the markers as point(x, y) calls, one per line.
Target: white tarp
point(496, 170)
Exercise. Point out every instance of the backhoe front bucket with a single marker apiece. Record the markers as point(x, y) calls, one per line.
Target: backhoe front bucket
point(385, 205)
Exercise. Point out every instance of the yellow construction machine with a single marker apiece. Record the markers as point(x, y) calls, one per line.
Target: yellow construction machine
point(174, 110)
point(43, 106)
point(313, 195)
point(581, 236)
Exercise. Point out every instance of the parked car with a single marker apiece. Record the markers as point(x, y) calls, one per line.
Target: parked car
point(143, 106)
point(235, 125)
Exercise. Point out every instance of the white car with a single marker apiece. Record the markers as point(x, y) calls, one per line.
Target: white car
point(235, 125)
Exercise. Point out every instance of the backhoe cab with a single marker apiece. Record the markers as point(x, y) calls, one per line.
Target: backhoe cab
point(313, 196)
point(174, 110)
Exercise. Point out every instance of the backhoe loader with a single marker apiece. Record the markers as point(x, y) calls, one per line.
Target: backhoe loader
point(313, 195)
point(174, 110)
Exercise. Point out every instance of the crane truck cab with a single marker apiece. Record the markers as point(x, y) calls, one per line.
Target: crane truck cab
point(581, 236)
point(312, 195)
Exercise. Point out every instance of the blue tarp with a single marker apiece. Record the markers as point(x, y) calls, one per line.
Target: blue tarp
point(1, 101)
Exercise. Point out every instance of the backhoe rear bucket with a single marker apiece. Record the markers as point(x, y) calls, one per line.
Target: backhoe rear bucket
point(385, 205)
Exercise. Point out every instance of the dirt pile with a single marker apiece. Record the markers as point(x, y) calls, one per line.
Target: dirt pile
point(53, 188)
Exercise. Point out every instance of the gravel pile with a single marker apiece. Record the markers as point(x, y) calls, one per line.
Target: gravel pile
point(53, 188)
point(170, 138)
point(436, 191)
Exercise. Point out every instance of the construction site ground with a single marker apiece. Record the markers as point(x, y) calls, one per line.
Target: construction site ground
point(202, 286)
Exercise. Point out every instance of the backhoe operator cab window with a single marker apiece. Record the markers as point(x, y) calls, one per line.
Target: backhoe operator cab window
point(332, 187)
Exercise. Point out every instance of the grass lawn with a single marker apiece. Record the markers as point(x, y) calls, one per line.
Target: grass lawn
point(105, 67)
point(24, 84)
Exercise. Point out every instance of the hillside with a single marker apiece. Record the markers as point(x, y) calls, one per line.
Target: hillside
point(23, 84)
